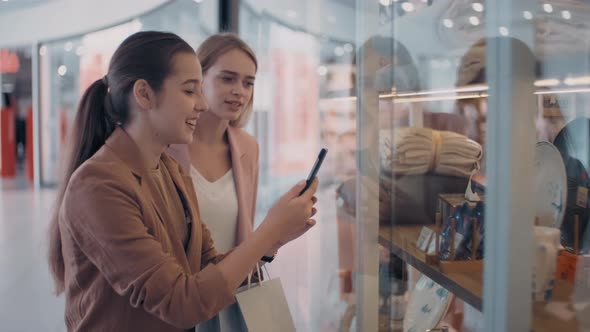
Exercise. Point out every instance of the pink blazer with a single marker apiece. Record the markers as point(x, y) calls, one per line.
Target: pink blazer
point(244, 157)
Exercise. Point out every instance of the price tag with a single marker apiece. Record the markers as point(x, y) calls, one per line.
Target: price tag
point(424, 239)
point(432, 246)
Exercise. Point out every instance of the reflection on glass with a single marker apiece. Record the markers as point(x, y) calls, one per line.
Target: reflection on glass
point(448, 43)
point(301, 69)
point(432, 138)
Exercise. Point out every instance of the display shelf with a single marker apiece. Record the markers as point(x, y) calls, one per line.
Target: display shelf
point(401, 241)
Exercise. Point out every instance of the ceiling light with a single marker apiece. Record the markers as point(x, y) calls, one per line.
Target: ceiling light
point(408, 7)
point(474, 20)
point(556, 92)
point(62, 70)
point(580, 80)
point(527, 15)
point(448, 23)
point(548, 8)
point(478, 7)
point(547, 82)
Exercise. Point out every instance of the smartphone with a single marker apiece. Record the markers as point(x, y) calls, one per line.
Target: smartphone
point(315, 169)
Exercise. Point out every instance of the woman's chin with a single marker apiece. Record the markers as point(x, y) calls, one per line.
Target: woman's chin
point(187, 138)
point(231, 115)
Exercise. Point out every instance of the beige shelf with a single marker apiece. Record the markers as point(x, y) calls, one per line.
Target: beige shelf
point(401, 240)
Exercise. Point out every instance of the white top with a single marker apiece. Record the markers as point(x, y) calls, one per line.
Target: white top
point(218, 207)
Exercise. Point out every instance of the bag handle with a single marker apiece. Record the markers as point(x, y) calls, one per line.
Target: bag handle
point(260, 275)
point(250, 276)
point(267, 273)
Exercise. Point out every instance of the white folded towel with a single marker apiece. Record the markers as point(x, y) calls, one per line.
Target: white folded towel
point(422, 150)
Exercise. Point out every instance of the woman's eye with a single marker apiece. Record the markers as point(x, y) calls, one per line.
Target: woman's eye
point(189, 92)
point(227, 79)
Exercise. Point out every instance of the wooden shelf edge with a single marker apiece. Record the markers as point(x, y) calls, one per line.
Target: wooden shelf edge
point(434, 273)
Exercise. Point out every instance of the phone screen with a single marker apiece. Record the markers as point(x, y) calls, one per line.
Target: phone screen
point(315, 169)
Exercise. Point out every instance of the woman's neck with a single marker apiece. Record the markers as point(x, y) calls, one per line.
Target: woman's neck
point(148, 142)
point(210, 130)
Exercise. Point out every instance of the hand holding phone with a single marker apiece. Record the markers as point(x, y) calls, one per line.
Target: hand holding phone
point(315, 169)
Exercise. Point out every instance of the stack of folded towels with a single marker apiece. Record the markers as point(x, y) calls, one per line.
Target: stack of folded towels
point(414, 151)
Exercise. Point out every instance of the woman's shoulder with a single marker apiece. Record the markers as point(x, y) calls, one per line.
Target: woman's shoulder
point(102, 169)
point(243, 138)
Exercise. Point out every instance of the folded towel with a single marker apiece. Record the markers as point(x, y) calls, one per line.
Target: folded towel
point(423, 150)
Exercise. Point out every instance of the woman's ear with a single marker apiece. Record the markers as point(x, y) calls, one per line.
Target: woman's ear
point(144, 95)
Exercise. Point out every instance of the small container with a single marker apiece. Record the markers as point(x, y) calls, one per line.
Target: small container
point(439, 329)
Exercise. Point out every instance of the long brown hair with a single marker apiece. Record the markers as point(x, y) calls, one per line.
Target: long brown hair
point(144, 55)
point(216, 46)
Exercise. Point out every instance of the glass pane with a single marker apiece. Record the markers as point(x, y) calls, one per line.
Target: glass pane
point(424, 96)
point(303, 102)
point(69, 66)
point(60, 82)
point(438, 89)
point(562, 84)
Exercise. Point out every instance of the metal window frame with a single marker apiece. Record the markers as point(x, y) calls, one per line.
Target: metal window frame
point(229, 16)
point(36, 99)
point(367, 176)
point(510, 156)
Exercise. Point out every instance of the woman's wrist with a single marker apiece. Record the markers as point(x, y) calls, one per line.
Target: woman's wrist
point(272, 252)
point(268, 232)
point(269, 256)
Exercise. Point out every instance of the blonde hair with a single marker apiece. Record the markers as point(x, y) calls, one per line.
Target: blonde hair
point(216, 46)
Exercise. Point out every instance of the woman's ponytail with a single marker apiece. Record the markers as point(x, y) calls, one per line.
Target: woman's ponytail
point(92, 126)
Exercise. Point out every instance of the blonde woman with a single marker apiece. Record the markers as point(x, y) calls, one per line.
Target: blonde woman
point(223, 158)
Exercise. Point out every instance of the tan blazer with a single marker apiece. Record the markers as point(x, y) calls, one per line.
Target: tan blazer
point(244, 154)
point(125, 269)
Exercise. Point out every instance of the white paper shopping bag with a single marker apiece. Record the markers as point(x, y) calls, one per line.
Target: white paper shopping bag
point(264, 306)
